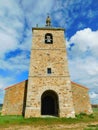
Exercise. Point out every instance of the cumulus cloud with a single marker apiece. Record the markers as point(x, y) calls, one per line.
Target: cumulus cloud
point(16, 21)
point(83, 63)
point(19, 63)
point(94, 97)
point(10, 26)
point(36, 11)
point(4, 82)
point(85, 40)
point(7, 43)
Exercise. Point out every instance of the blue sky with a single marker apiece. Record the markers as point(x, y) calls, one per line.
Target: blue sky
point(78, 17)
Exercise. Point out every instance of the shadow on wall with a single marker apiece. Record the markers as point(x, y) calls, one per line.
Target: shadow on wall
point(25, 97)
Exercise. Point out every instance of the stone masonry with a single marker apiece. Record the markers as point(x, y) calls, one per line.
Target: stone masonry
point(14, 100)
point(52, 56)
point(81, 99)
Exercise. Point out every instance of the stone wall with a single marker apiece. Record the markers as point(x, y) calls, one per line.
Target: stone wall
point(14, 100)
point(52, 56)
point(15, 97)
point(81, 99)
point(59, 85)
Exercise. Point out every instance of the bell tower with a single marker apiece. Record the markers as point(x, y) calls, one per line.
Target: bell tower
point(49, 87)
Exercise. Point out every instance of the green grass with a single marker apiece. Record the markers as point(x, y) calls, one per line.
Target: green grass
point(19, 120)
point(95, 109)
point(92, 127)
point(0, 108)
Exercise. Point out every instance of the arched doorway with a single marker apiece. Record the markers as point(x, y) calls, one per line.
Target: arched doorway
point(49, 103)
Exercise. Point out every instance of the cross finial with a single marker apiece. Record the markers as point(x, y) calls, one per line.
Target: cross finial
point(48, 20)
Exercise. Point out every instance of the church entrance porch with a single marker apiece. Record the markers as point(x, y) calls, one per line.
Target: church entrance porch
point(49, 103)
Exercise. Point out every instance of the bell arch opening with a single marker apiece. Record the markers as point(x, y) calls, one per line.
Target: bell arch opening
point(49, 103)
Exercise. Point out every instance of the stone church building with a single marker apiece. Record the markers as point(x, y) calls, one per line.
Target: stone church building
point(48, 90)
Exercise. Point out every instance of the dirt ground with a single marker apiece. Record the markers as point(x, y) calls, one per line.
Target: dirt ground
point(78, 126)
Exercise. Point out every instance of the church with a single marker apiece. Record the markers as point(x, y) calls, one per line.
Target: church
point(48, 90)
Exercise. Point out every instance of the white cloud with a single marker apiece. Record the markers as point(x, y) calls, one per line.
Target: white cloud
point(7, 43)
point(83, 59)
point(16, 21)
point(84, 40)
point(36, 11)
point(11, 26)
point(27, 42)
point(93, 95)
point(5, 81)
point(18, 63)
point(15, 18)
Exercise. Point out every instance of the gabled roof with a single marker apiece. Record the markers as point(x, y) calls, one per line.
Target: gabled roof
point(79, 85)
point(15, 84)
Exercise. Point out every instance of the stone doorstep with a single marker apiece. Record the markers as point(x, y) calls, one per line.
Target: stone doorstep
point(50, 116)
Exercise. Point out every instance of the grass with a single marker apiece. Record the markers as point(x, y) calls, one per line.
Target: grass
point(92, 127)
point(19, 120)
point(0, 108)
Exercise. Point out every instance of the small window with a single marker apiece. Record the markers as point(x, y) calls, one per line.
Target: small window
point(48, 38)
point(48, 70)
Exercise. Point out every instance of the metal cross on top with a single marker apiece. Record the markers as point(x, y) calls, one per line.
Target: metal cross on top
point(48, 21)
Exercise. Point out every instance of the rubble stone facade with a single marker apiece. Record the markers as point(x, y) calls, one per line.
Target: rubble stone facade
point(53, 56)
point(14, 100)
point(81, 99)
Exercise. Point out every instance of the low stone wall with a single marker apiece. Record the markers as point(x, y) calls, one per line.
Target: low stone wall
point(81, 99)
point(14, 100)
